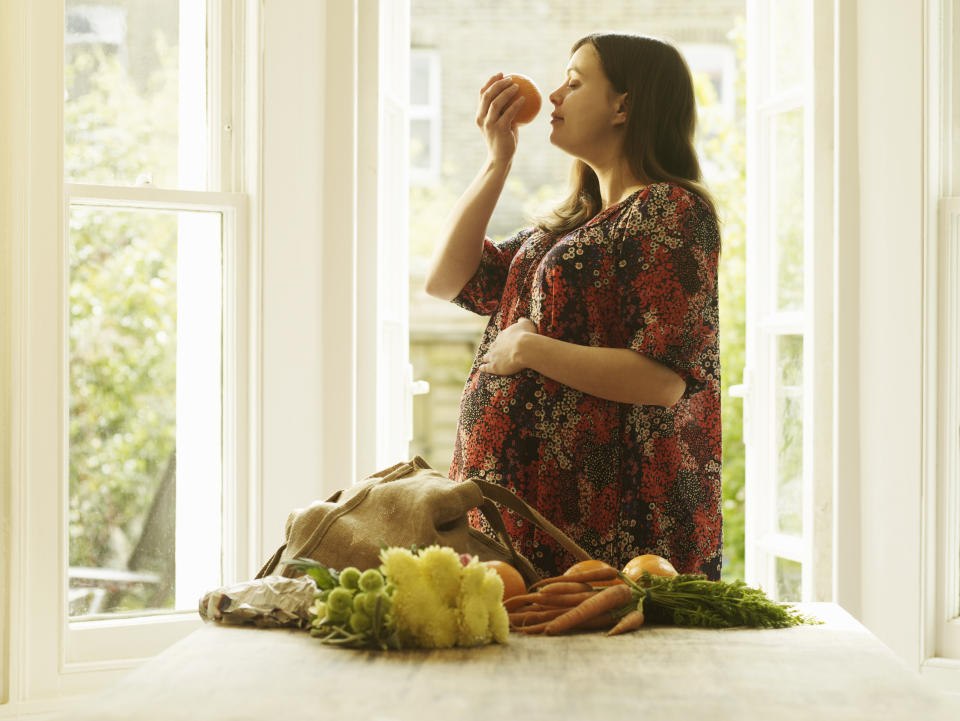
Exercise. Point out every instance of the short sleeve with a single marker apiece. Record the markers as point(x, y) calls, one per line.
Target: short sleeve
point(482, 293)
point(668, 284)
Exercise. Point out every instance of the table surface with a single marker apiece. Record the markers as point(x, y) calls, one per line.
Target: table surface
point(837, 671)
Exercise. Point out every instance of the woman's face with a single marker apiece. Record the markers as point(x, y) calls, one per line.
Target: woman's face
point(586, 109)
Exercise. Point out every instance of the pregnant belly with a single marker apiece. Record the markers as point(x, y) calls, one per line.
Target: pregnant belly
point(528, 405)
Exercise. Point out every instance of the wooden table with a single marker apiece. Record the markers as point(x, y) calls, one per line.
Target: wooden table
point(810, 673)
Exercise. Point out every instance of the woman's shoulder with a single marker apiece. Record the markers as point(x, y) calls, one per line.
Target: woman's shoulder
point(668, 198)
point(517, 238)
point(668, 209)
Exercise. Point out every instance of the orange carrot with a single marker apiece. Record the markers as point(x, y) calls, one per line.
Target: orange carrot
point(565, 587)
point(548, 599)
point(606, 600)
point(527, 618)
point(630, 622)
point(535, 628)
point(604, 620)
point(606, 573)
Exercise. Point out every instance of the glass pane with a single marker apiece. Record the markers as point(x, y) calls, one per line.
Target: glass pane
point(135, 100)
point(787, 24)
point(420, 143)
point(419, 79)
point(788, 580)
point(789, 434)
point(144, 426)
point(787, 172)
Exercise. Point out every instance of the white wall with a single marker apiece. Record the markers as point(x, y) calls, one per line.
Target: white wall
point(292, 203)
point(308, 250)
point(890, 51)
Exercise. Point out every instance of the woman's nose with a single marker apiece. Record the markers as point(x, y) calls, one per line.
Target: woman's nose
point(556, 98)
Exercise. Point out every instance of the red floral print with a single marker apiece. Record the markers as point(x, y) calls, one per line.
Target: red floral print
point(620, 479)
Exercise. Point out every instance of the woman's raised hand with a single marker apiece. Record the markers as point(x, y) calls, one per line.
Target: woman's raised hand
point(498, 107)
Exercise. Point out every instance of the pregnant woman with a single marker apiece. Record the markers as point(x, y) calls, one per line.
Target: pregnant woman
point(595, 391)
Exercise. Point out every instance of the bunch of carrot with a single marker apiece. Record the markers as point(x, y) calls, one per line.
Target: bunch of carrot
point(578, 600)
point(593, 595)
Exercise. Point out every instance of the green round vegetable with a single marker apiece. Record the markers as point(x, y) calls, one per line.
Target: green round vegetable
point(340, 601)
point(370, 580)
point(362, 602)
point(360, 622)
point(337, 618)
point(320, 609)
point(349, 577)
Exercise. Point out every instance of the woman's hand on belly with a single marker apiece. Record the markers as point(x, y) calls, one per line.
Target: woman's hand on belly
point(503, 355)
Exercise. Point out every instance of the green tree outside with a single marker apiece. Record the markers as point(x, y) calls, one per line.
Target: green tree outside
point(122, 312)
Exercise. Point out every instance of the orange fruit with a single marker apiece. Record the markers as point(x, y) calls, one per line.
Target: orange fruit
point(529, 90)
point(652, 564)
point(592, 565)
point(513, 583)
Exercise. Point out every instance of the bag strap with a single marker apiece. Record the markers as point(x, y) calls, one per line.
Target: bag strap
point(271, 565)
point(506, 497)
point(492, 514)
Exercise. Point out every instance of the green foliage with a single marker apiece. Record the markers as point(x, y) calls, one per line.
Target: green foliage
point(692, 600)
point(722, 149)
point(122, 373)
point(122, 309)
point(114, 130)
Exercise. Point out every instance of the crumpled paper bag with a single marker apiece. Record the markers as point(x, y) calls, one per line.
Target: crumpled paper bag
point(268, 602)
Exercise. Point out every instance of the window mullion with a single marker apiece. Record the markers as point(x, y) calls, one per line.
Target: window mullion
point(149, 197)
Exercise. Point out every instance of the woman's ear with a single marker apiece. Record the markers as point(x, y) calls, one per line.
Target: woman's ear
point(621, 109)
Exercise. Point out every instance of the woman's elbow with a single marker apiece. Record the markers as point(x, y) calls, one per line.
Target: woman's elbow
point(673, 391)
point(667, 391)
point(438, 290)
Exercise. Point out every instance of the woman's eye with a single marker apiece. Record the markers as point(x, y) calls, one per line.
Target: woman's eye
point(571, 85)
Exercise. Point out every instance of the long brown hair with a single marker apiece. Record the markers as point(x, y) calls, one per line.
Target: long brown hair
point(661, 121)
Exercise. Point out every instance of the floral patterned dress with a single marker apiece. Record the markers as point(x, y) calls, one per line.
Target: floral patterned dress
point(620, 479)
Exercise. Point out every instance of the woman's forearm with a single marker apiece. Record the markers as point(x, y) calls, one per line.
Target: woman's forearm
point(460, 246)
point(616, 374)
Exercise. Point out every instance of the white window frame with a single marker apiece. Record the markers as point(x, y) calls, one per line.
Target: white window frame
point(136, 636)
point(431, 111)
point(47, 658)
point(814, 549)
point(940, 526)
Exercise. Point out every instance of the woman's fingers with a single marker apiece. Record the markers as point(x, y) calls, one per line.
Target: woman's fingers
point(491, 81)
point(511, 112)
point(500, 102)
point(495, 116)
point(487, 94)
point(493, 100)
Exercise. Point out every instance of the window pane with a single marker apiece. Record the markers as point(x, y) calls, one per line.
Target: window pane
point(135, 104)
point(419, 79)
point(788, 580)
point(144, 427)
point(420, 143)
point(787, 171)
point(787, 44)
point(789, 421)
